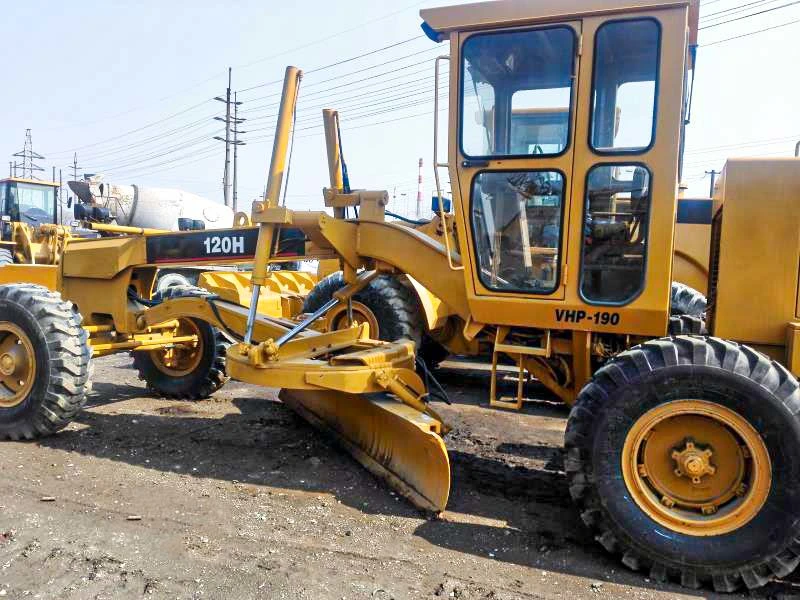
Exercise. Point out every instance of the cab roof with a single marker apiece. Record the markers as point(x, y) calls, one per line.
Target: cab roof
point(509, 13)
point(24, 180)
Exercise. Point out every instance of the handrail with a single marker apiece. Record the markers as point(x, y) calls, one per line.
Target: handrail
point(437, 164)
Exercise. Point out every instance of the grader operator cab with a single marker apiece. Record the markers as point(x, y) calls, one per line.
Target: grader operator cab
point(682, 451)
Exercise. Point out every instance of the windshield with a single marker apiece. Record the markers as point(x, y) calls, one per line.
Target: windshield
point(35, 202)
point(516, 92)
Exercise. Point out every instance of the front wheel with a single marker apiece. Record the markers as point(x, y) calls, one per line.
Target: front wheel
point(683, 455)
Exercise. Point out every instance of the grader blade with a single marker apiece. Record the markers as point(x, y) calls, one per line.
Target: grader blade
point(395, 442)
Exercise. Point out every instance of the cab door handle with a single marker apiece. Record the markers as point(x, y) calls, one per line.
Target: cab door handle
point(475, 164)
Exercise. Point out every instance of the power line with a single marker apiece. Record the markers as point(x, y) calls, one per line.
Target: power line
point(744, 35)
point(177, 133)
point(257, 61)
point(192, 124)
point(735, 9)
point(121, 135)
point(337, 63)
point(143, 158)
point(202, 153)
point(330, 37)
point(361, 89)
point(763, 142)
point(359, 71)
point(360, 103)
point(750, 15)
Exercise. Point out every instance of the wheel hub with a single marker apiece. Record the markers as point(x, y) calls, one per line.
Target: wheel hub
point(17, 365)
point(693, 463)
point(696, 467)
point(7, 364)
point(177, 360)
point(337, 318)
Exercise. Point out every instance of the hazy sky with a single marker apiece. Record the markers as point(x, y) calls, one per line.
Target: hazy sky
point(128, 86)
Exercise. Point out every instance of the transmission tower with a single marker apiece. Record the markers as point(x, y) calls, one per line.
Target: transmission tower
point(27, 166)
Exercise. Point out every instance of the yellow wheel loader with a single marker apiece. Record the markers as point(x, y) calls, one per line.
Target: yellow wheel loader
point(29, 222)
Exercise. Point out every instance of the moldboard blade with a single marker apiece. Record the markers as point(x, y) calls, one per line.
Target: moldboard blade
point(393, 441)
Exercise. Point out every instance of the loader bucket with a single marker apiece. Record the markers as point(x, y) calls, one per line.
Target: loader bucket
point(392, 440)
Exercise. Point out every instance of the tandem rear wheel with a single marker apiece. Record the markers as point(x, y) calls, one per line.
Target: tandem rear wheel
point(185, 370)
point(683, 456)
point(44, 362)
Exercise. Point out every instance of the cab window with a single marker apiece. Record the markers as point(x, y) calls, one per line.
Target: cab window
point(517, 92)
point(516, 222)
point(624, 86)
point(615, 232)
point(36, 202)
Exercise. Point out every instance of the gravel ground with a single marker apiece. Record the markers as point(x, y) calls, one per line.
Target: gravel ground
point(236, 497)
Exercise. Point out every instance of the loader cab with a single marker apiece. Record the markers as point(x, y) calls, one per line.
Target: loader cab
point(28, 201)
point(565, 125)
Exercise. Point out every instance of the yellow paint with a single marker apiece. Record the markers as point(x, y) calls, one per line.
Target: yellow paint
point(696, 467)
point(757, 286)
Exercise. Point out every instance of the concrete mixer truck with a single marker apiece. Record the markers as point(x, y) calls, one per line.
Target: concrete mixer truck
point(165, 209)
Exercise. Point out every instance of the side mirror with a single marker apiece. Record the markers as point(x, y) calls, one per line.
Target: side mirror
point(69, 202)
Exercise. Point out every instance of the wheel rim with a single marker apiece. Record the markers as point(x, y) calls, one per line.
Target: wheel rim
point(17, 365)
point(696, 467)
point(337, 318)
point(183, 358)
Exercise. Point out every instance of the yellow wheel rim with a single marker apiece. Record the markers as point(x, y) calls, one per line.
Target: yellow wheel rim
point(183, 358)
point(696, 467)
point(337, 318)
point(17, 365)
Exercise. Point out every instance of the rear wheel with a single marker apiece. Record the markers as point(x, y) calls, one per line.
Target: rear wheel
point(683, 455)
point(191, 370)
point(687, 311)
point(6, 257)
point(685, 300)
point(44, 362)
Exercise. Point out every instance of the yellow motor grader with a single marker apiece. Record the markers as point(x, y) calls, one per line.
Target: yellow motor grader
point(682, 451)
point(558, 256)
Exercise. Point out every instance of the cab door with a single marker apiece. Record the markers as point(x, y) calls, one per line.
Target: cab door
point(517, 92)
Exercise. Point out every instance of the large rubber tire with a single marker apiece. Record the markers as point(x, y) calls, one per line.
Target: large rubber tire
point(740, 379)
point(685, 300)
point(62, 361)
point(209, 374)
point(686, 325)
point(6, 257)
point(687, 311)
point(394, 306)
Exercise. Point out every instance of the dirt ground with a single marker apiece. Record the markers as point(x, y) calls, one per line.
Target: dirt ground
point(236, 497)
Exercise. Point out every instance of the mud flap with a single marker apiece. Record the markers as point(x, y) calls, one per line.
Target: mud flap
point(392, 440)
